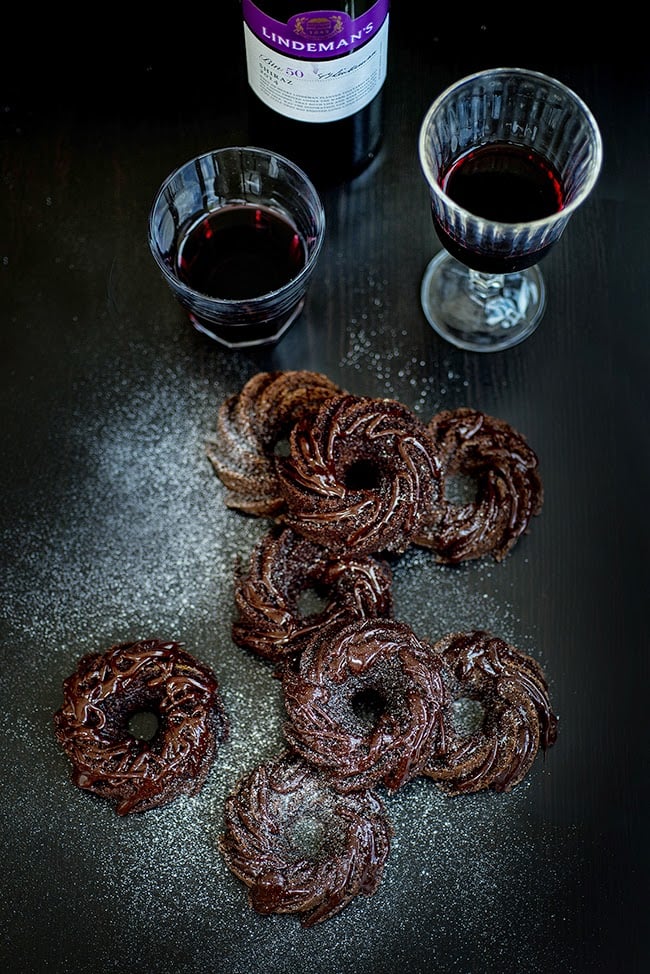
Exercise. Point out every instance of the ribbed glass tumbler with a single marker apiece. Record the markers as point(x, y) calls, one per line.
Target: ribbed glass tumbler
point(236, 234)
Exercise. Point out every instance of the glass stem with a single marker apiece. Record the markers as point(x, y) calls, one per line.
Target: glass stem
point(484, 286)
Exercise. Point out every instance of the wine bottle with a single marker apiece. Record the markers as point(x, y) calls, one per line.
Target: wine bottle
point(316, 82)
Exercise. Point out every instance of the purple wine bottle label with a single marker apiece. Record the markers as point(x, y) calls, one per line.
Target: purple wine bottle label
point(320, 66)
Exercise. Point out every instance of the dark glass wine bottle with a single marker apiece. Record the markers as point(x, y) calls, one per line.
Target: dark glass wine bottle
point(316, 82)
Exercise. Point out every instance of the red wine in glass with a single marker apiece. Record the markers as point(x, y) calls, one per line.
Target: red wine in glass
point(504, 183)
point(236, 233)
point(239, 252)
point(508, 155)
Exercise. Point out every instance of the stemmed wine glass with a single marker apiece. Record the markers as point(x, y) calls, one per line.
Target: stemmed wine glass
point(508, 155)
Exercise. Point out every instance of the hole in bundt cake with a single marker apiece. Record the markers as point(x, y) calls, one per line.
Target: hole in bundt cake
point(467, 716)
point(460, 489)
point(368, 705)
point(309, 836)
point(362, 475)
point(311, 602)
point(143, 725)
point(281, 447)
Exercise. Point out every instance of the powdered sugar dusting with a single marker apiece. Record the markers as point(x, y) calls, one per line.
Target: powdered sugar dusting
point(126, 536)
point(395, 373)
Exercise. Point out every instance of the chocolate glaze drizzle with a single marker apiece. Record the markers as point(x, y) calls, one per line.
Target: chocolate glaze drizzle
point(380, 660)
point(282, 567)
point(360, 476)
point(517, 716)
point(251, 423)
point(508, 487)
point(300, 846)
point(367, 704)
point(107, 689)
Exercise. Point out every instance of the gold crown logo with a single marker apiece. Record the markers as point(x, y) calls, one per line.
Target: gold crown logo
point(318, 28)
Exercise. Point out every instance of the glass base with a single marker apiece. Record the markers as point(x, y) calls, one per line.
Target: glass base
point(247, 336)
point(481, 312)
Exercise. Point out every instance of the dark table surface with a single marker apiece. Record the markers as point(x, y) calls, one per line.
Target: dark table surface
point(114, 528)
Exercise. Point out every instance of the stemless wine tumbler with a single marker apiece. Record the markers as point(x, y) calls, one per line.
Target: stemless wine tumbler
point(508, 155)
point(236, 233)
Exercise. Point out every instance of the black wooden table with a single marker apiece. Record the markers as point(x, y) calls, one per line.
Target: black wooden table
point(114, 528)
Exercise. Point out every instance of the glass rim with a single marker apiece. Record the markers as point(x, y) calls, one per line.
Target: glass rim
point(585, 189)
point(310, 257)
